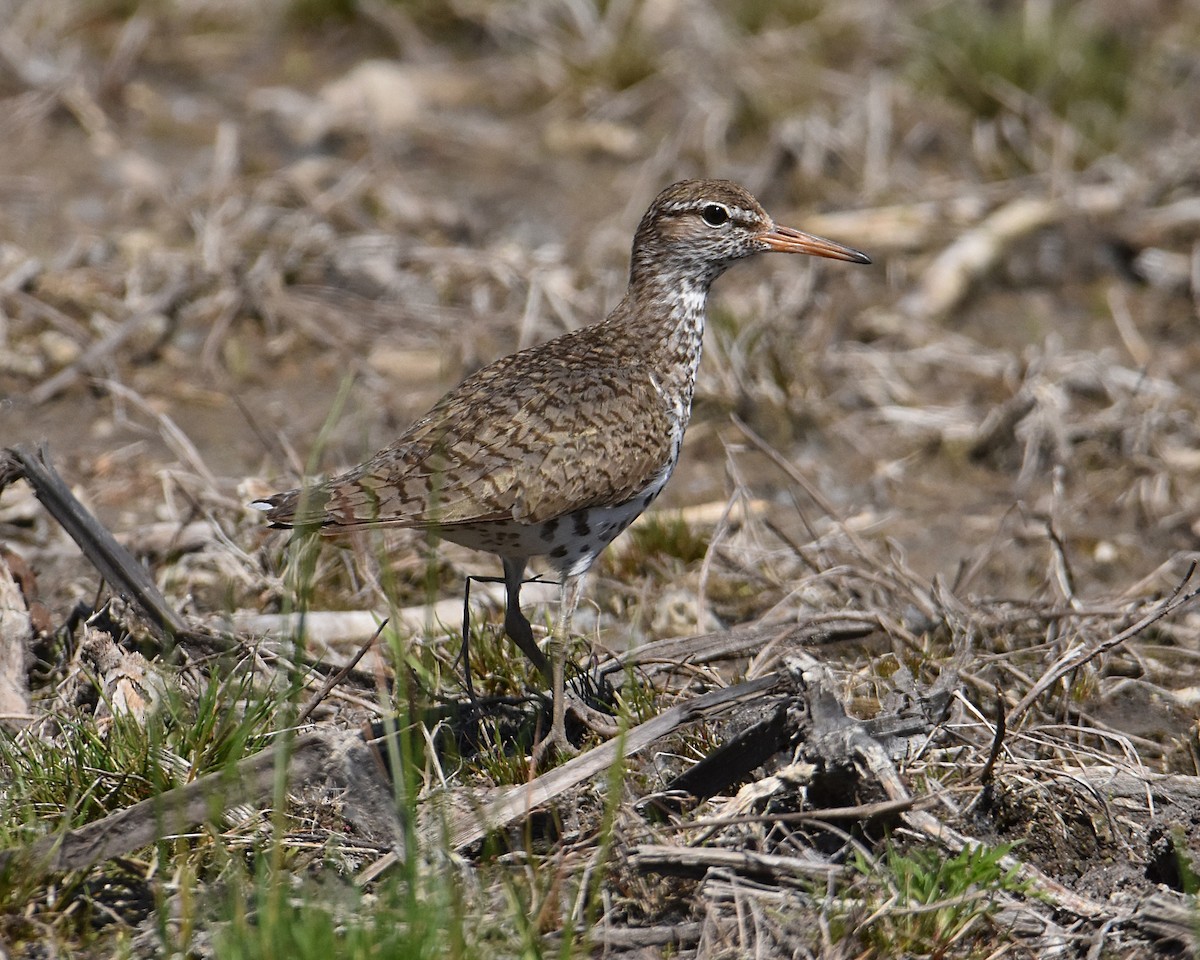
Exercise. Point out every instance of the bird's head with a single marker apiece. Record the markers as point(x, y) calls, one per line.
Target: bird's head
point(700, 227)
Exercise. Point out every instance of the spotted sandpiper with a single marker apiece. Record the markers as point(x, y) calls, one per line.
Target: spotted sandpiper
point(553, 451)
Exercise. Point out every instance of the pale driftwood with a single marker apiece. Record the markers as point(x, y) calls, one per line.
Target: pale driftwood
point(348, 628)
point(16, 635)
point(691, 861)
point(1142, 785)
point(332, 629)
point(311, 759)
point(948, 278)
point(974, 252)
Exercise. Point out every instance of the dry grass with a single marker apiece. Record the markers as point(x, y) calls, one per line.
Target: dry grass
point(944, 474)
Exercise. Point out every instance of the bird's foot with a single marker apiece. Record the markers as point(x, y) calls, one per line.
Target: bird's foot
point(599, 722)
point(553, 744)
point(556, 744)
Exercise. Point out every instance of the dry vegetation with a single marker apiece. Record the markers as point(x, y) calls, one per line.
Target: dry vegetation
point(930, 541)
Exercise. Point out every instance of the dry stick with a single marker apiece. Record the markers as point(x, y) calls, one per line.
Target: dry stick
point(985, 775)
point(333, 680)
point(974, 252)
point(114, 563)
point(863, 811)
point(465, 828)
point(918, 598)
point(847, 737)
point(880, 765)
point(740, 641)
point(690, 861)
point(1073, 659)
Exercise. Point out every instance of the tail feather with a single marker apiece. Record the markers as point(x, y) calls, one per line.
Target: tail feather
point(303, 507)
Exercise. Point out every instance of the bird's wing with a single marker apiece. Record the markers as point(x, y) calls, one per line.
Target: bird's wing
point(557, 442)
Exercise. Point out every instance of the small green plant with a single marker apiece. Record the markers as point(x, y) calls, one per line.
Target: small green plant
point(1189, 870)
point(280, 914)
point(663, 535)
point(929, 903)
point(95, 766)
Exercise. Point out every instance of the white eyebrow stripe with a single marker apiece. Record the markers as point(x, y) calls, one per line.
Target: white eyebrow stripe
point(692, 206)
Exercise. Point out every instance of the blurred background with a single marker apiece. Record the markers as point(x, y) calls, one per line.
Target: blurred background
point(217, 217)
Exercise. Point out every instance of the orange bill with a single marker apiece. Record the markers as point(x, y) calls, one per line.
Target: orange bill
point(787, 240)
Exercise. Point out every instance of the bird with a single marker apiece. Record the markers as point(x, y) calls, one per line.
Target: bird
point(553, 451)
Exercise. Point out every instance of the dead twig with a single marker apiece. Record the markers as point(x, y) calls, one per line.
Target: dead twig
point(696, 861)
point(837, 734)
point(858, 812)
point(463, 829)
point(114, 563)
point(985, 776)
point(1078, 656)
point(334, 679)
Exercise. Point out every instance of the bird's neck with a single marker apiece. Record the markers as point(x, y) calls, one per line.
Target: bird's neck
point(666, 313)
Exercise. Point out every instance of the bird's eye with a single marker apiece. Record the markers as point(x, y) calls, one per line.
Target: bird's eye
point(714, 214)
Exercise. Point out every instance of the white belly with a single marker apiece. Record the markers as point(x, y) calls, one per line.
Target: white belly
point(570, 543)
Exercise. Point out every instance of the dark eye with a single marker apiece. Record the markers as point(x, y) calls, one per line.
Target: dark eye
point(714, 214)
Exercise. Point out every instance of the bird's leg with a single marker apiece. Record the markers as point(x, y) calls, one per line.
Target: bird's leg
point(552, 668)
point(570, 591)
point(464, 652)
point(515, 624)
